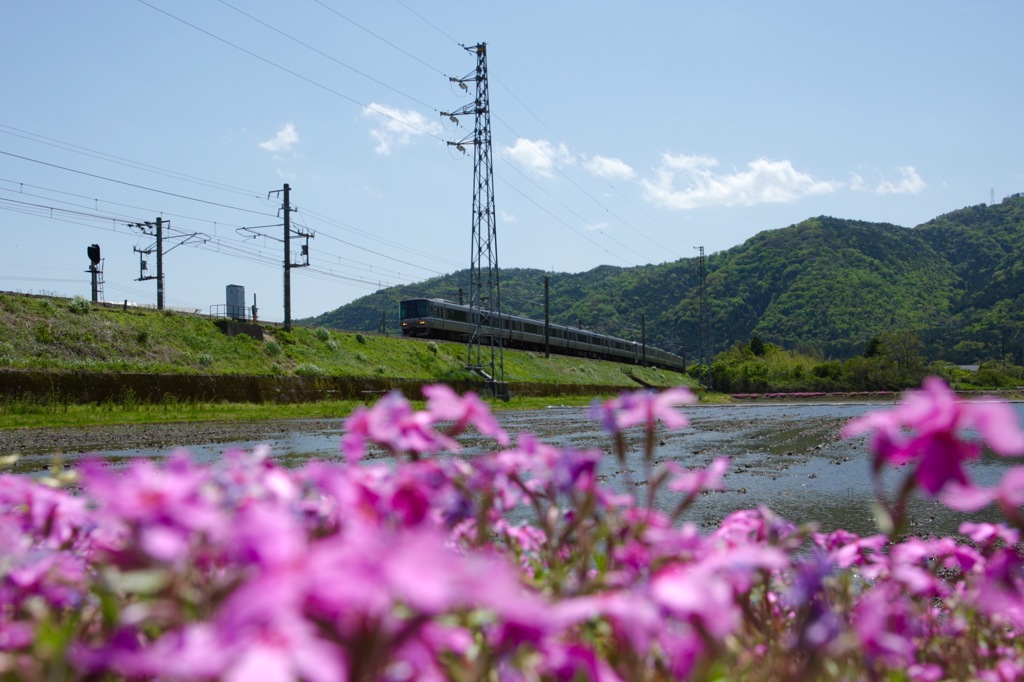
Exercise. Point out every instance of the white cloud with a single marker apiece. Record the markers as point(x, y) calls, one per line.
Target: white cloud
point(763, 182)
point(909, 183)
point(597, 226)
point(397, 127)
point(539, 156)
point(609, 169)
point(507, 217)
point(286, 138)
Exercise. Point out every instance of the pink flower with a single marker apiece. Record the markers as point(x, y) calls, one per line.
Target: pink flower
point(394, 425)
point(444, 404)
point(884, 624)
point(926, 428)
point(989, 533)
point(1009, 493)
point(692, 482)
point(643, 407)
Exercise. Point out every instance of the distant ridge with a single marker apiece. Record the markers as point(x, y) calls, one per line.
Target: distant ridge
point(826, 283)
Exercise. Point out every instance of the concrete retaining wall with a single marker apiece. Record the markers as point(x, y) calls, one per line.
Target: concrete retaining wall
point(93, 387)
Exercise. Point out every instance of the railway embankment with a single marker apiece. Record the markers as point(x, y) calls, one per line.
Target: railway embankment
point(73, 351)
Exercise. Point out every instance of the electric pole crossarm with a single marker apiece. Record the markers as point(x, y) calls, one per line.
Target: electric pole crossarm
point(154, 230)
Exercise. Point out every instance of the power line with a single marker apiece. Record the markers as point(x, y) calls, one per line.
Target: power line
point(591, 197)
point(291, 72)
point(327, 56)
point(578, 233)
point(131, 184)
point(45, 210)
point(383, 40)
point(67, 146)
point(563, 205)
point(215, 223)
point(428, 22)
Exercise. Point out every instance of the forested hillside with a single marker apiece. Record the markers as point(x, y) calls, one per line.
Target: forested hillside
point(825, 284)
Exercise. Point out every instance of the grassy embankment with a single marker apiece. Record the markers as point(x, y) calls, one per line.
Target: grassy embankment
point(56, 335)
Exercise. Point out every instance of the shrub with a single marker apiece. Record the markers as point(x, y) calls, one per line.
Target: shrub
point(44, 333)
point(272, 348)
point(308, 369)
point(432, 347)
point(361, 339)
point(79, 306)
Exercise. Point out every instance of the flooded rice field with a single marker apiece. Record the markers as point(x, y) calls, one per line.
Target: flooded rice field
point(787, 457)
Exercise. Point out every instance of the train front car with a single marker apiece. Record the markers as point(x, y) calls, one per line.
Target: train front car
point(415, 315)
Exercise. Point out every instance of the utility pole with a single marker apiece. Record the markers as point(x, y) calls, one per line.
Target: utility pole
point(643, 337)
point(156, 229)
point(547, 316)
point(484, 350)
point(153, 229)
point(703, 327)
point(286, 207)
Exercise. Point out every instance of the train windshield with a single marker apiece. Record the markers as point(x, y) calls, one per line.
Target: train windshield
point(419, 307)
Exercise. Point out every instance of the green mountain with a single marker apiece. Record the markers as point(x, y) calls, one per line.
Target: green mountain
point(825, 284)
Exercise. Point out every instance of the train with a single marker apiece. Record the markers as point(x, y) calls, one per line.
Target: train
point(435, 318)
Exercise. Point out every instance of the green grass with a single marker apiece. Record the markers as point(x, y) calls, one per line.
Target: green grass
point(57, 334)
point(73, 335)
point(32, 414)
point(18, 414)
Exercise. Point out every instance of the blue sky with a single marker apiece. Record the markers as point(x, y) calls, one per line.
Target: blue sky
point(623, 133)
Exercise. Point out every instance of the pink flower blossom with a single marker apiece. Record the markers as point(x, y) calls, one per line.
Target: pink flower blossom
point(1009, 493)
point(394, 425)
point(692, 482)
point(643, 407)
point(444, 404)
point(884, 625)
point(989, 533)
point(926, 428)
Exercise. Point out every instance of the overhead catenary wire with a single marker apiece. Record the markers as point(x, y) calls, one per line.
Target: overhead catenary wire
point(138, 165)
point(132, 184)
point(227, 243)
point(384, 113)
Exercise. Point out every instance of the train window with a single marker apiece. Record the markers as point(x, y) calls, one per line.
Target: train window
point(457, 315)
point(414, 308)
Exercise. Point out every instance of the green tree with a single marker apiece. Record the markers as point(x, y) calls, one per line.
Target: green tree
point(874, 348)
point(757, 346)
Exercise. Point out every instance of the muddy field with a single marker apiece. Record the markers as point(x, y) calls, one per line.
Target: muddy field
point(788, 458)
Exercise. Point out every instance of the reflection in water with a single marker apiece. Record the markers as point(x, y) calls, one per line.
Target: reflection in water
point(785, 457)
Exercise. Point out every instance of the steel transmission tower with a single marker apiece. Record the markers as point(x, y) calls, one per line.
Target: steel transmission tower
point(484, 350)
